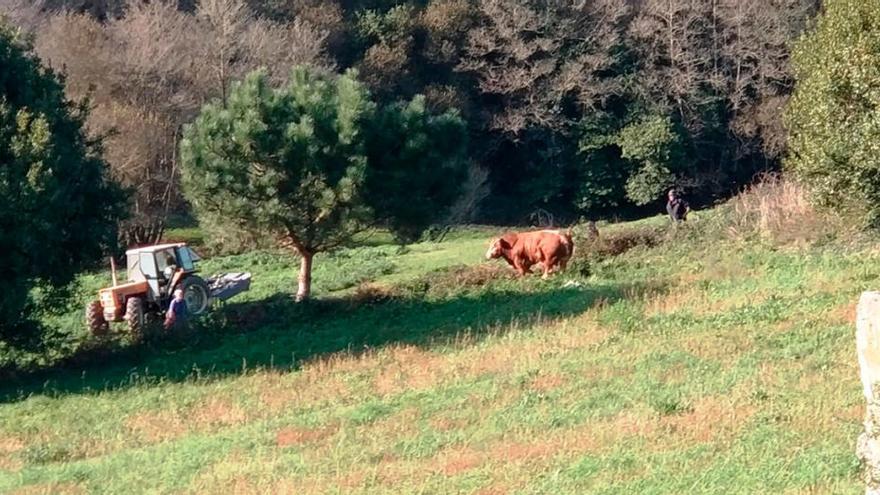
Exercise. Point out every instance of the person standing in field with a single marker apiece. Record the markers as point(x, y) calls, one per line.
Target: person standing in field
point(677, 207)
point(177, 311)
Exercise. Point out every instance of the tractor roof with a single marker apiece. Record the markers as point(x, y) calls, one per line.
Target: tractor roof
point(153, 249)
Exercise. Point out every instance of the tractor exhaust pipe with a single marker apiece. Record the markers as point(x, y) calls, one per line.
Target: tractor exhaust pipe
point(113, 270)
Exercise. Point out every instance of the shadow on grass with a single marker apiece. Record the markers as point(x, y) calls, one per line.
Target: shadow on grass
point(280, 334)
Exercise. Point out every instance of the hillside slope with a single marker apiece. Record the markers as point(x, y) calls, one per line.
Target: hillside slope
point(687, 367)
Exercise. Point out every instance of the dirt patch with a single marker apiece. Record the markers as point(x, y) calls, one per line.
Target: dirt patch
point(844, 314)
point(9, 446)
point(288, 437)
point(852, 414)
point(11, 464)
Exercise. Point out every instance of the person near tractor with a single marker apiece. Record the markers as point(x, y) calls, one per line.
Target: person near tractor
point(170, 266)
point(177, 311)
point(677, 207)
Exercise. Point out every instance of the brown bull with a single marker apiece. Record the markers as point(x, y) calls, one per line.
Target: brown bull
point(551, 248)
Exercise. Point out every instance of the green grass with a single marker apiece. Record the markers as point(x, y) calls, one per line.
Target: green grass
point(694, 366)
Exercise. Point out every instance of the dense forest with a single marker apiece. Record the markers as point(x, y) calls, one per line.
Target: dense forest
point(573, 109)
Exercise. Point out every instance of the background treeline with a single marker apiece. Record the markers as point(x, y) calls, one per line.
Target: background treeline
point(587, 108)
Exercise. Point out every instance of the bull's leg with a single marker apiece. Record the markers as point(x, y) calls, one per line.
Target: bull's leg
point(549, 265)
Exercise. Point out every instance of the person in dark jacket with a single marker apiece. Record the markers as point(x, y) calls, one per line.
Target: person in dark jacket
point(177, 311)
point(677, 207)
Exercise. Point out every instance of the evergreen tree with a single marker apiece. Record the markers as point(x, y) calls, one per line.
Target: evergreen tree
point(417, 166)
point(59, 209)
point(294, 163)
point(834, 115)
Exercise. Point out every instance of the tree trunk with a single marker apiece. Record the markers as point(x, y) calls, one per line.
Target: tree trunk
point(305, 277)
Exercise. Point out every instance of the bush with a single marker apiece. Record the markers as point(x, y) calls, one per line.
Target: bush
point(446, 282)
point(59, 208)
point(591, 249)
point(832, 117)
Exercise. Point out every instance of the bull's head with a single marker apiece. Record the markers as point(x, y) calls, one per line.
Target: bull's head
point(497, 248)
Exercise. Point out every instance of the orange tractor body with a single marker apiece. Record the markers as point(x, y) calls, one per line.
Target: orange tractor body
point(113, 298)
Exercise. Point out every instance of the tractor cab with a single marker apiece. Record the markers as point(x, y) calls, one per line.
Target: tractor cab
point(161, 266)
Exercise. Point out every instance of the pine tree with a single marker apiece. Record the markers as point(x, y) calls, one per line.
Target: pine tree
point(294, 163)
point(417, 166)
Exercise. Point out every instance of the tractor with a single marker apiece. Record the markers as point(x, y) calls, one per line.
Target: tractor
point(154, 273)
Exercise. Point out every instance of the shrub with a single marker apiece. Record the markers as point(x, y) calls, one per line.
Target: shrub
point(590, 249)
point(832, 117)
point(445, 282)
point(59, 207)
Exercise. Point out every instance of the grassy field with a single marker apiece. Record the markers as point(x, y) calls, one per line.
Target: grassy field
point(691, 366)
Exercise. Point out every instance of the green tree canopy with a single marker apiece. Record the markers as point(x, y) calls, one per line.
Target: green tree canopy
point(417, 166)
point(314, 162)
point(834, 115)
point(59, 209)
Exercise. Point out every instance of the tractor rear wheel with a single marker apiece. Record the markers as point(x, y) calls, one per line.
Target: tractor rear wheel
point(95, 319)
point(196, 294)
point(134, 316)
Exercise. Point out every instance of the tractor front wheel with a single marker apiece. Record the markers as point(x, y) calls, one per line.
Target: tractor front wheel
point(95, 319)
point(196, 294)
point(134, 316)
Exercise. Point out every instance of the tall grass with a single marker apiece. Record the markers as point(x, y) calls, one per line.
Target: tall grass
point(779, 210)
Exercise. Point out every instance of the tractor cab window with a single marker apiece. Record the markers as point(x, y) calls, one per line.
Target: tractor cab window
point(148, 266)
point(165, 259)
point(134, 268)
point(186, 259)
